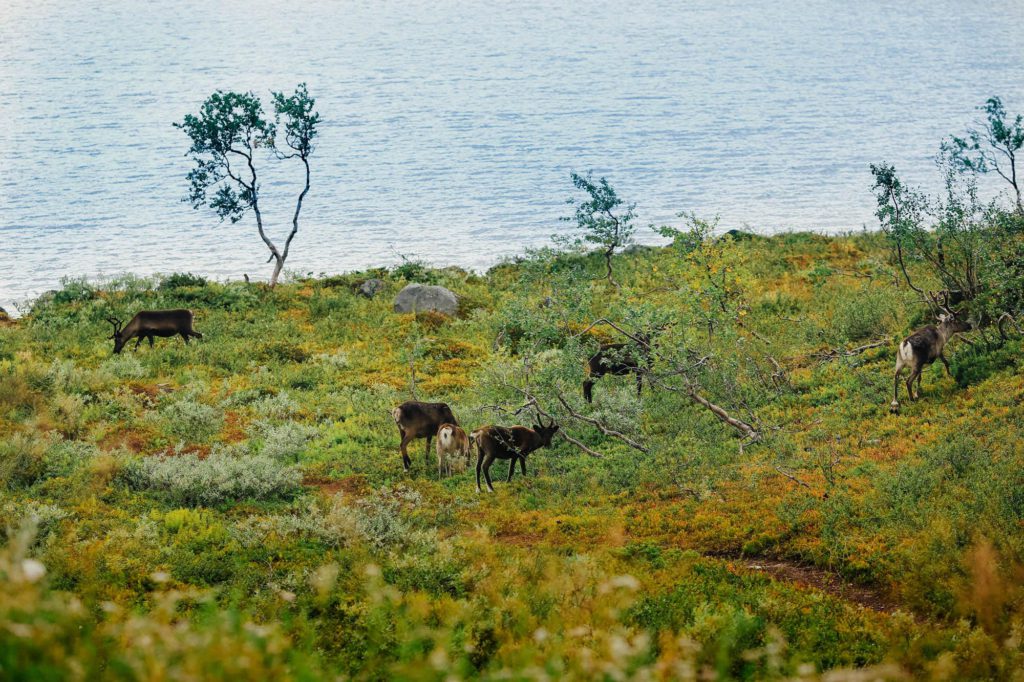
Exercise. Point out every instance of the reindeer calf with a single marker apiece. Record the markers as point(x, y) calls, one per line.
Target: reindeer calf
point(452, 450)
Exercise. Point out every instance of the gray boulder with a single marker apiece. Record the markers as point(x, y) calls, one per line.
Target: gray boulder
point(418, 298)
point(371, 287)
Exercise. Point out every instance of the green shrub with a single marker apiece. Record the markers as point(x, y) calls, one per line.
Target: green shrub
point(192, 421)
point(187, 480)
point(285, 441)
point(124, 366)
point(22, 460)
point(65, 457)
point(180, 280)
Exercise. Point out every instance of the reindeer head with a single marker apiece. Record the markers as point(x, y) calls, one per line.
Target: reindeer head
point(545, 432)
point(948, 321)
point(119, 341)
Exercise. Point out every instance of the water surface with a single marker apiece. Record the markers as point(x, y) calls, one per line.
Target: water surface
point(451, 127)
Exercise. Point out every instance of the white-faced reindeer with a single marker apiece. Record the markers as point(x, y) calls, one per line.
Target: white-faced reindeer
point(150, 323)
point(453, 450)
point(511, 443)
point(921, 349)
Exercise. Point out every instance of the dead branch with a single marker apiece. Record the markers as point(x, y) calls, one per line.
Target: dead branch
point(833, 353)
point(601, 427)
point(792, 477)
point(691, 392)
point(581, 446)
point(1002, 330)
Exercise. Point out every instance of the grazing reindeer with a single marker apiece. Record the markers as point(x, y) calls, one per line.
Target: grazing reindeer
point(149, 323)
point(508, 442)
point(921, 349)
point(617, 359)
point(420, 420)
point(453, 450)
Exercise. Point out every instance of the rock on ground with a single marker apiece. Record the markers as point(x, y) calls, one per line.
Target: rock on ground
point(418, 298)
point(371, 287)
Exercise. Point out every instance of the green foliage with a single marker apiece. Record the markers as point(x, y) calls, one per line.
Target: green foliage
point(226, 137)
point(220, 478)
point(192, 421)
point(182, 280)
point(993, 148)
point(603, 218)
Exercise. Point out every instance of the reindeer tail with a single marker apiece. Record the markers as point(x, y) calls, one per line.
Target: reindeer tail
point(396, 414)
point(444, 436)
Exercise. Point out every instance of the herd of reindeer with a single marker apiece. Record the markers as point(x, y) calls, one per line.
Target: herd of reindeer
point(417, 419)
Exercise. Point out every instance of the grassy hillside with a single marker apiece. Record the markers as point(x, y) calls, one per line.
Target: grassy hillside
point(237, 507)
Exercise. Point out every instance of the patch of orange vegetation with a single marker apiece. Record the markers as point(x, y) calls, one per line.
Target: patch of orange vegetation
point(133, 441)
point(233, 431)
point(193, 448)
point(355, 485)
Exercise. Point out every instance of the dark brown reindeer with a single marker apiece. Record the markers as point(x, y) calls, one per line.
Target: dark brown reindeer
point(616, 359)
point(150, 323)
point(508, 442)
point(420, 420)
point(921, 349)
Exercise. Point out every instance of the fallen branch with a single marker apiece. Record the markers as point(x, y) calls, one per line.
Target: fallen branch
point(720, 413)
point(581, 446)
point(1002, 320)
point(833, 353)
point(792, 477)
point(601, 427)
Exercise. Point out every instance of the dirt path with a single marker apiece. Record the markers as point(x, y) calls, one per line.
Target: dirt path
point(819, 579)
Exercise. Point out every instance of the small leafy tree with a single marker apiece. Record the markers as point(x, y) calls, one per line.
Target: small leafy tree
point(227, 135)
point(993, 147)
point(603, 218)
point(971, 251)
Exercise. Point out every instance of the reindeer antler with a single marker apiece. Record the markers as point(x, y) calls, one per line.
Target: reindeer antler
point(118, 324)
point(944, 306)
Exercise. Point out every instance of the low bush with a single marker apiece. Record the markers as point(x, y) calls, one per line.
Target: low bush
point(187, 480)
point(192, 421)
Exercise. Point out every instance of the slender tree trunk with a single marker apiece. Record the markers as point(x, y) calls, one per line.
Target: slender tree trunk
point(282, 256)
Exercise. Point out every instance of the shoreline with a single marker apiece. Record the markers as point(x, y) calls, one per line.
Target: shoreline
point(17, 308)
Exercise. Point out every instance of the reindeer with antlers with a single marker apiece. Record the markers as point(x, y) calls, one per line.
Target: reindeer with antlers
point(511, 443)
point(150, 323)
point(924, 347)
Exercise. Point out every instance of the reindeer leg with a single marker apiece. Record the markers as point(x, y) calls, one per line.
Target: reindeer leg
point(138, 340)
point(511, 469)
point(910, 384)
point(150, 341)
point(522, 462)
point(406, 462)
point(894, 406)
point(487, 471)
point(479, 462)
point(185, 337)
point(946, 365)
point(919, 375)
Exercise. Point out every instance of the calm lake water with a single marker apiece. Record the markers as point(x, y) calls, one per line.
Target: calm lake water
point(451, 127)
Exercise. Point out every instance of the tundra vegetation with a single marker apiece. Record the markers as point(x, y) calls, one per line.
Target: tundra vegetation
point(237, 508)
